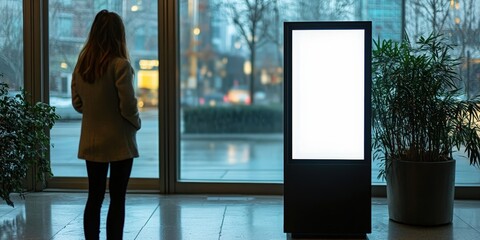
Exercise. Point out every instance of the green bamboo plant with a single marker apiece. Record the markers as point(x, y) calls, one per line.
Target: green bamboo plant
point(418, 112)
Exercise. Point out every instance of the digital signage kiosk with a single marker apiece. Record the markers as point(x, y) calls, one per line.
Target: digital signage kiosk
point(327, 143)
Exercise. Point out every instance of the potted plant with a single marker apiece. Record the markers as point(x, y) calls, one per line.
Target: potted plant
point(24, 141)
point(419, 119)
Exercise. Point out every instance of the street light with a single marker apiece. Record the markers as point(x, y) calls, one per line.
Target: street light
point(247, 67)
point(264, 78)
point(196, 31)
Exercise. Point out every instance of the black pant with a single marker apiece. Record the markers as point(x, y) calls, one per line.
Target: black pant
point(97, 180)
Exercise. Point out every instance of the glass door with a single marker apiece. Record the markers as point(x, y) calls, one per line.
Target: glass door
point(231, 101)
point(69, 24)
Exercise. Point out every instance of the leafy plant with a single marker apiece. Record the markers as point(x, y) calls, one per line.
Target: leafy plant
point(418, 113)
point(24, 141)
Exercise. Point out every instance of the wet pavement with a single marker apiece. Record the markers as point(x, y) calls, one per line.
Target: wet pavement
point(204, 157)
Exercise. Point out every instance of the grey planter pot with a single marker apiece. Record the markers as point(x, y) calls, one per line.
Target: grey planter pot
point(421, 193)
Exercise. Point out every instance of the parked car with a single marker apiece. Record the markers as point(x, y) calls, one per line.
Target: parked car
point(213, 99)
point(239, 95)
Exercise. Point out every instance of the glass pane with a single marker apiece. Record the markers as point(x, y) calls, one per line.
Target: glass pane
point(69, 25)
point(458, 21)
point(11, 44)
point(231, 80)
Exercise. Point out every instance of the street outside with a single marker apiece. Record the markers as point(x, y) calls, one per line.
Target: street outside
point(203, 157)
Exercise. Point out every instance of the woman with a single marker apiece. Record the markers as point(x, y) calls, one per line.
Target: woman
point(102, 90)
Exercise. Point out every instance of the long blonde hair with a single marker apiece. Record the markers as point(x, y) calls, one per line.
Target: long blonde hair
point(106, 41)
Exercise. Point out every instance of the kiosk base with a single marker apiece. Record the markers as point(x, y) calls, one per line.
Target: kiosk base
point(316, 236)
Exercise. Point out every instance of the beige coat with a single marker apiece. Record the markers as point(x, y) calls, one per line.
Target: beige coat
point(110, 115)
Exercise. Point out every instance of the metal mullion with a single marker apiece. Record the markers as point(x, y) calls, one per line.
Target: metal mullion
point(167, 94)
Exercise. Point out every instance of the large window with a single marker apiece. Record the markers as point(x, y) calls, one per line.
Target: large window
point(69, 25)
point(231, 84)
point(11, 44)
point(231, 75)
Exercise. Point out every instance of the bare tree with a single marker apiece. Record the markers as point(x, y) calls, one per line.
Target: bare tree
point(308, 10)
point(465, 26)
point(252, 24)
point(274, 33)
point(465, 29)
point(458, 21)
point(427, 16)
point(11, 40)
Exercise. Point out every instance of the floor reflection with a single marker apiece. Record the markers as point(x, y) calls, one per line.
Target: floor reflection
point(13, 228)
point(59, 216)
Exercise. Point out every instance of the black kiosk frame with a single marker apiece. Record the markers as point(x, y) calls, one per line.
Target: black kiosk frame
point(327, 141)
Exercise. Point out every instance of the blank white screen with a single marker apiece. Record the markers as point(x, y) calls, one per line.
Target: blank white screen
point(328, 94)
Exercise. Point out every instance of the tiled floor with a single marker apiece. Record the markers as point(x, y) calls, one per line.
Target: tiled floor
point(54, 215)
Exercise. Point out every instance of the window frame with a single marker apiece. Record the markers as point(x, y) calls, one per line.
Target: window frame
point(36, 70)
